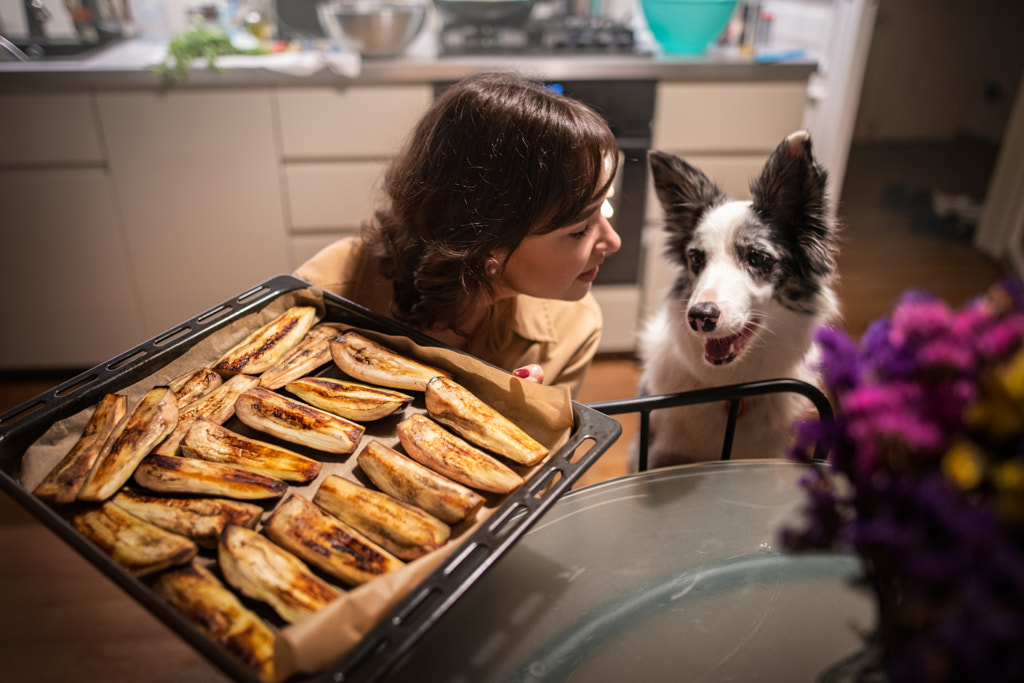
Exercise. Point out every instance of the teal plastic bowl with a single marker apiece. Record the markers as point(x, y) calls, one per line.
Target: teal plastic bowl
point(687, 27)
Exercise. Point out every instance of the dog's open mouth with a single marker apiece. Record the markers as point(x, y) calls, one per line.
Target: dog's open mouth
point(727, 349)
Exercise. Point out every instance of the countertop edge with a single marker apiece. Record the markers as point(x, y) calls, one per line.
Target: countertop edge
point(110, 74)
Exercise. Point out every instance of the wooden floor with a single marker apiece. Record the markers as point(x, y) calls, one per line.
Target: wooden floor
point(61, 620)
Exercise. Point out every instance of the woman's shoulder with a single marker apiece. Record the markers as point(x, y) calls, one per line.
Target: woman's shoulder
point(334, 266)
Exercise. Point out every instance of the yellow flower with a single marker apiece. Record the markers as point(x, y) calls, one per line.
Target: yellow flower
point(1008, 479)
point(964, 465)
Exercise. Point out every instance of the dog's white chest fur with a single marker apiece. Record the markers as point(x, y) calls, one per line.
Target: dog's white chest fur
point(753, 281)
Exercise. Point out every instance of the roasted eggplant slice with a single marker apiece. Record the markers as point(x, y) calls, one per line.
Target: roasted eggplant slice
point(174, 474)
point(199, 595)
point(324, 541)
point(138, 546)
point(63, 482)
point(456, 407)
point(215, 443)
point(408, 481)
point(405, 531)
point(367, 361)
point(194, 384)
point(216, 406)
point(261, 569)
point(351, 400)
point(135, 437)
point(262, 349)
point(200, 519)
point(297, 422)
point(309, 354)
point(435, 447)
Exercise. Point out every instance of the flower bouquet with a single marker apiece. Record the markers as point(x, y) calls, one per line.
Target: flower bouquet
point(925, 483)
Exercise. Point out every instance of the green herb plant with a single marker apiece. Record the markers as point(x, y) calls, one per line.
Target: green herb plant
point(202, 41)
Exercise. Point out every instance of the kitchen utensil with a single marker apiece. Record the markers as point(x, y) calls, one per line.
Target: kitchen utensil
point(687, 27)
point(373, 29)
point(489, 12)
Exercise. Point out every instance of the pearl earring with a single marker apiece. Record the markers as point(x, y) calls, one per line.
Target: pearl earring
point(491, 268)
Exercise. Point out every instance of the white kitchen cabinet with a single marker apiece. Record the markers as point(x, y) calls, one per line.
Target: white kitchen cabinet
point(727, 118)
point(335, 146)
point(197, 176)
point(69, 294)
point(357, 121)
point(49, 128)
point(324, 196)
point(727, 130)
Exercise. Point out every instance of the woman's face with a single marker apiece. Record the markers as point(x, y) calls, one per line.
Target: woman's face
point(561, 264)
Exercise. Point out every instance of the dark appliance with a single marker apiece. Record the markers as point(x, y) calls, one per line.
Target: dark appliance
point(628, 106)
point(561, 34)
point(490, 12)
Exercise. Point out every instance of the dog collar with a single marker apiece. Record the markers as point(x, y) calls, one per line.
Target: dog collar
point(742, 409)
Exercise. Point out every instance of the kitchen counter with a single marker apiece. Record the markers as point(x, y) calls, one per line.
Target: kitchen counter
point(129, 64)
point(284, 153)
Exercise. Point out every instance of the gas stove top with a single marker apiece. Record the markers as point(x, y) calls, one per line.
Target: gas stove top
point(557, 35)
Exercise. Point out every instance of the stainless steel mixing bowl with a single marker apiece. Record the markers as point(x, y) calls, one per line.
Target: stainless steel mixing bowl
point(374, 29)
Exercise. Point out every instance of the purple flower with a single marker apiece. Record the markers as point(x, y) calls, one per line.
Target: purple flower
point(839, 365)
point(946, 563)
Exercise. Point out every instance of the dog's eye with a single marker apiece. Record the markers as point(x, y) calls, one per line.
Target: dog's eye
point(697, 259)
point(759, 260)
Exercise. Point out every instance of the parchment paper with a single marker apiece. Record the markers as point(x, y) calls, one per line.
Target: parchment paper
point(317, 641)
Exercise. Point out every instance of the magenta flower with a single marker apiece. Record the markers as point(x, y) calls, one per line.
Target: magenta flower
point(942, 550)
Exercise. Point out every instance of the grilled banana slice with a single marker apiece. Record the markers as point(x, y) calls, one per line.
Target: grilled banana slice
point(200, 519)
point(454, 406)
point(403, 530)
point(194, 384)
point(262, 349)
point(216, 406)
point(294, 421)
point(313, 351)
point(411, 482)
point(324, 541)
point(264, 571)
point(174, 474)
point(432, 445)
point(214, 443)
point(352, 400)
point(140, 547)
point(199, 595)
point(368, 361)
point(135, 436)
point(63, 482)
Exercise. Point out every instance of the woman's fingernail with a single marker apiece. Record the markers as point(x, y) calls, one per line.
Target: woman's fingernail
point(521, 373)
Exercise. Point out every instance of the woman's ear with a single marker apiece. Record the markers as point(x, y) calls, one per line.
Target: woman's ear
point(492, 268)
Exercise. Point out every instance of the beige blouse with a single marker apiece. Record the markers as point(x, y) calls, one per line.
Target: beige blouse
point(560, 336)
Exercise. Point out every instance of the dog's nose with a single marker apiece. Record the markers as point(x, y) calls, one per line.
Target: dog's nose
point(704, 316)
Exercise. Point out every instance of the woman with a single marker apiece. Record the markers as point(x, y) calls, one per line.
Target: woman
point(492, 232)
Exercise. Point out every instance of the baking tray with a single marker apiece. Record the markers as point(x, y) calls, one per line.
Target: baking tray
point(396, 633)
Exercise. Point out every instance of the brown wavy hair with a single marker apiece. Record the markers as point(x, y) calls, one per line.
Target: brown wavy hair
point(496, 158)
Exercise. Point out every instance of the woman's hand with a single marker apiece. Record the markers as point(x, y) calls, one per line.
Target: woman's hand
point(531, 373)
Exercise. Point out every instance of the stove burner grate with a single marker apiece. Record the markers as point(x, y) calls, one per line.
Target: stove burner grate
point(564, 35)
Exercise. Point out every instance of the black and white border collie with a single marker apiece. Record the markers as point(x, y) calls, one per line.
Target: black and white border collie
point(753, 279)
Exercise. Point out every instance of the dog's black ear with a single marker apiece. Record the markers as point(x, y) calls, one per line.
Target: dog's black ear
point(791, 195)
point(684, 192)
point(790, 191)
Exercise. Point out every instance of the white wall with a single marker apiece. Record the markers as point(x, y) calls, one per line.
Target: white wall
point(928, 68)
